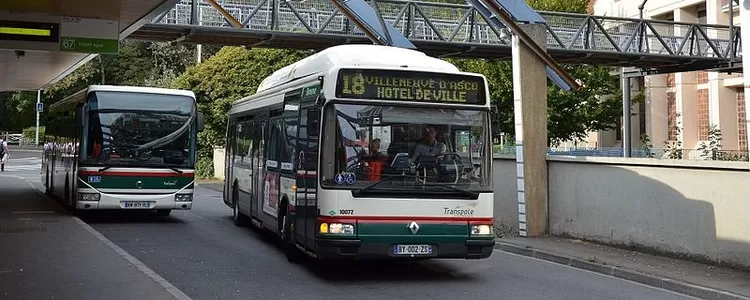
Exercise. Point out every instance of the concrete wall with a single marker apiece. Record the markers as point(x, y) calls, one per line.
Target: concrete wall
point(697, 209)
point(219, 162)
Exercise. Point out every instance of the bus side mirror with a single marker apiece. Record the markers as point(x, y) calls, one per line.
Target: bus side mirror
point(313, 115)
point(199, 121)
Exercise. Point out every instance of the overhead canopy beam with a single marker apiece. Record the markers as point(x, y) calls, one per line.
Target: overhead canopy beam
point(231, 19)
point(504, 13)
point(372, 23)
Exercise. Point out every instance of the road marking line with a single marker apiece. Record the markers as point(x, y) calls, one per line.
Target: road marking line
point(135, 262)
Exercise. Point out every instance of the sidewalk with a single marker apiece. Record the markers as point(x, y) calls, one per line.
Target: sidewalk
point(46, 253)
point(699, 280)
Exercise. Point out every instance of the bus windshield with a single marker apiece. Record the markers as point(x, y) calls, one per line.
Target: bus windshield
point(425, 148)
point(138, 129)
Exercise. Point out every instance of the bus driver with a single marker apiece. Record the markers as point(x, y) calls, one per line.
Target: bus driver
point(430, 146)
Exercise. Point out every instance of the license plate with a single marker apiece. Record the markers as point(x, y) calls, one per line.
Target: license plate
point(412, 249)
point(139, 204)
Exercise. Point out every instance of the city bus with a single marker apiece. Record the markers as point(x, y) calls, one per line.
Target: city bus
point(365, 152)
point(122, 148)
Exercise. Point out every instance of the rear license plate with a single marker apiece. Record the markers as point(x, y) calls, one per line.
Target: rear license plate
point(412, 249)
point(136, 204)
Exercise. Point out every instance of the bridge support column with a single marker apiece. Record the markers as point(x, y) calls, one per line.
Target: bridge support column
point(530, 111)
point(627, 135)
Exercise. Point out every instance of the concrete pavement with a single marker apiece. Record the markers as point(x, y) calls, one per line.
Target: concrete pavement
point(686, 277)
point(45, 253)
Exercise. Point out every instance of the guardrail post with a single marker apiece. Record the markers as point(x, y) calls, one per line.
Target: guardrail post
point(530, 107)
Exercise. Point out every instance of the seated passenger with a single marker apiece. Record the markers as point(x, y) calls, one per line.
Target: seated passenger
point(375, 154)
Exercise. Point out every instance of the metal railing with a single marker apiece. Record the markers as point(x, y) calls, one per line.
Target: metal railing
point(461, 24)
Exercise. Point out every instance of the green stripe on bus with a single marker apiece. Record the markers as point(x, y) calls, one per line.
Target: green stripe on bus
point(399, 233)
point(128, 182)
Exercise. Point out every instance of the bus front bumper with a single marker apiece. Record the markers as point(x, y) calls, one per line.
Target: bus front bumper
point(135, 202)
point(356, 249)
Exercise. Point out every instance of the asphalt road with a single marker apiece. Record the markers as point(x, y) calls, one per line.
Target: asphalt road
point(205, 256)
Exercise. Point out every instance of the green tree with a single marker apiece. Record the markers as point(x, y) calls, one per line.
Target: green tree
point(229, 75)
point(573, 114)
point(17, 110)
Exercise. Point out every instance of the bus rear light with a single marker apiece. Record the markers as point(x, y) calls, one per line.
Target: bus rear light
point(336, 228)
point(481, 229)
point(183, 198)
point(89, 196)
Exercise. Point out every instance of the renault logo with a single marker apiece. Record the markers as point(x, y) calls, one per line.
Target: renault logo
point(414, 227)
point(139, 184)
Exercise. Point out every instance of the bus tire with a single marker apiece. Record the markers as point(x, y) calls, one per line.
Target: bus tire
point(239, 219)
point(163, 212)
point(69, 200)
point(293, 254)
point(47, 189)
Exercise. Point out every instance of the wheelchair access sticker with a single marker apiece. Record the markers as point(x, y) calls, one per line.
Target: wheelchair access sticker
point(345, 178)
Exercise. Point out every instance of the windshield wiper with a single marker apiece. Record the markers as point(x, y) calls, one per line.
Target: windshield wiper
point(104, 169)
point(369, 187)
point(463, 192)
point(176, 170)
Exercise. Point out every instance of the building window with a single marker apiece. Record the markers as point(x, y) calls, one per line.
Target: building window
point(671, 116)
point(703, 114)
point(741, 123)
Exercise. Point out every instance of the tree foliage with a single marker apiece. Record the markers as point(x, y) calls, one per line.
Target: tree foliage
point(231, 74)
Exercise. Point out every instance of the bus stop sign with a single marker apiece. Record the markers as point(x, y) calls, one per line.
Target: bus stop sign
point(40, 107)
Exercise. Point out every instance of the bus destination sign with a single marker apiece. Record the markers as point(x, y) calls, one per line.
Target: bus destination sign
point(410, 86)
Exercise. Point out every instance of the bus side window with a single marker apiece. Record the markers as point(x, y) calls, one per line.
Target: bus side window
point(313, 124)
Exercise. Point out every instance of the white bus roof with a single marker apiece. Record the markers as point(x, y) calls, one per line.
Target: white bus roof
point(81, 95)
point(373, 56)
point(140, 89)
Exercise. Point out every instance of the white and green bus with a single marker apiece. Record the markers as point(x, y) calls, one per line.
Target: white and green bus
point(365, 152)
point(122, 147)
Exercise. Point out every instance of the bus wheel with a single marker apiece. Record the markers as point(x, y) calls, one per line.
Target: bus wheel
point(292, 253)
point(69, 199)
point(239, 219)
point(47, 189)
point(163, 212)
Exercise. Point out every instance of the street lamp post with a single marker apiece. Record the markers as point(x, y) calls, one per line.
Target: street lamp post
point(38, 100)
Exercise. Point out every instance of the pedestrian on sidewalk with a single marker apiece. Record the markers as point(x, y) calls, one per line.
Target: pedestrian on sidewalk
point(4, 153)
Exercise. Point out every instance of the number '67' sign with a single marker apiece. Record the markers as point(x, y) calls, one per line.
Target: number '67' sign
point(68, 44)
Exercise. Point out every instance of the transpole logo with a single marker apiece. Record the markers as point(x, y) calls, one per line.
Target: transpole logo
point(462, 210)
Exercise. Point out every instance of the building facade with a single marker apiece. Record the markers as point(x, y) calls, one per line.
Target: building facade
point(681, 106)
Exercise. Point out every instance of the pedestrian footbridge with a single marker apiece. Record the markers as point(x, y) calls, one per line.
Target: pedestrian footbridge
point(450, 30)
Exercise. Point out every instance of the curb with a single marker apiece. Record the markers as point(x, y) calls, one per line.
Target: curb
point(622, 273)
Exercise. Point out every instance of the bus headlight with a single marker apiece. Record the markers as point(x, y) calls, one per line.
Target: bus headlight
point(481, 229)
point(336, 228)
point(183, 198)
point(88, 196)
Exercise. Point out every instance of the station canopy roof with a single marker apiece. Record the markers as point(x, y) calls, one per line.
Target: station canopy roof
point(42, 41)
